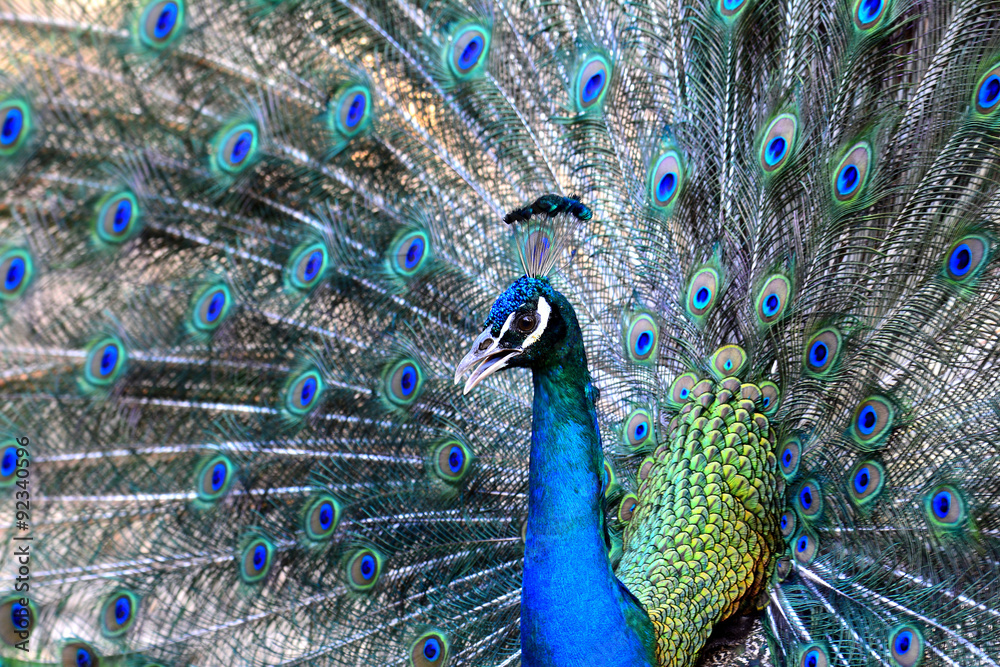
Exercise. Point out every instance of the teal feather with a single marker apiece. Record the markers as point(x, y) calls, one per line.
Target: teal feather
point(245, 243)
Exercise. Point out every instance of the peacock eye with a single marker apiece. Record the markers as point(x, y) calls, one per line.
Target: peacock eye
point(526, 322)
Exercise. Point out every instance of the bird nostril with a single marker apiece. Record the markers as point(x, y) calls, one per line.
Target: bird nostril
point(485, 344)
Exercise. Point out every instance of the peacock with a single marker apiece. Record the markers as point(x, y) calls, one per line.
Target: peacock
point(499, 332)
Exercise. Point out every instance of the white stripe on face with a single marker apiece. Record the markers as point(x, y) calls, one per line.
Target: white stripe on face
point(544, 309)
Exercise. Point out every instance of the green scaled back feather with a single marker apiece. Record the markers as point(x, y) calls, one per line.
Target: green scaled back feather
point(244, 243)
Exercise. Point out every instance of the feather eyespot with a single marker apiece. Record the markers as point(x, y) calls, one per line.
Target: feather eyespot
point(592, 82)
point(363, 570)
point(17, 620)
point(321, 518)
point(255, 561)
point(852, 172)
point(304, 392)
point(469, 49)
point(429, 650)
point(703, 291)
point(214, 478)
point(906, 646)
point(16, 269)
point(868, 13)
point(787, 523)
point(728, 361)
point(966, 257)
point(772, 301)
point(872, 420)
point(117, 217)
point(307, 266)
point(627, 507)
point(104, 362)
point(638, 429)
point(770, 398)
point(351, 110)
point(211, 307)
point(119, 613)
point(15, 123)
point(452, 460)
point(945, 507)
point(987, 96)
point(814, 656)
point(821, 351)
point(680, 389)
point(78, 654)
point(642, 339)
point(779, 140)
point(665, 178)
point(161, 23)
point(403, 382)
point(810, 499)
point(804, 548)
point(788, 459)
point(237, 148)
point(410, 253)
point(865, 482)
point(8, 462)
point(730, 8)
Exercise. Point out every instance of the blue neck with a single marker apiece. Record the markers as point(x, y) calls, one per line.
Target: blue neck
point(573, 609)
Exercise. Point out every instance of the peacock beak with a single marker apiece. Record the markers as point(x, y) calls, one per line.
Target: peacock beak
point(486, 358)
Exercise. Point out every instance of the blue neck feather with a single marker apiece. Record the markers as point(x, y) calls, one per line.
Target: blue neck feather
point(573, 609)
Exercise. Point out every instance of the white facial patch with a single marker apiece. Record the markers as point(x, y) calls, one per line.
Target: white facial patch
point(543, 319)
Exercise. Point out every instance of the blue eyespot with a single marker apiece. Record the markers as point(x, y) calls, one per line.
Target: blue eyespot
point(862, 480)
point(592, 82)
point(351, 110)
point(642, 338)
point(680, 389)
point(161, 22)
point(867, 419)
point(15, 122)
point(906, 646)
point(236, 148)
point(804, 549)
point(788, 523)
point(409, 253)
point(20, 616)
point(303, 392)
point(363, 569)
point(810, 499)
point(214, 478)
point(685, 392)
point(701, 292)
point(945, 507)
point(789, 458)
point(306, 267)
point(727, 361)
point(430, 650)
point(104, 362)
point(776, 150)
point(321, 518)
point(312, 266)
point(818, 353)
point(468, 50)
point(211, 306)
point(16, 269)
point(866, 481)
point(119, 613)
point(847, 179)
point(451, 461)
point(403, 382)
point(665, 178)
point(637, 428)
point(868, 13)
point(966, 257)
point(989, 91)
point(852, 172)
point(784, 522)
point(779, 139)
point(255, 563)
point(8, 464)
point(219, 475)
point(821, 351)
point(730, 8)
point(772, 299)
point(79, 654)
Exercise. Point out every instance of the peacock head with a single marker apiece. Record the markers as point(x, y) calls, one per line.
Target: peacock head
point(530, 325)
